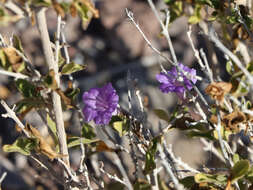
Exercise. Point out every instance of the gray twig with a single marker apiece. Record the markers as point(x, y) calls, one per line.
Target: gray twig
point(131, 17)
point(47, 49)
point(118, 163)
point(226, 51)
point(12, 74)
point(165, 31)
point(167, 167)
point(113, 177)
point(11, 114)
point(2, 178)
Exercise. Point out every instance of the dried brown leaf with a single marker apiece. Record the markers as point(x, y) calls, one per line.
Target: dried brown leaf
point(91, 7)
point(12, 55)
point(67, 101)
point(58, 8)
point(43, 147)
point(73, 10)
point(33, 18)
point(233, 120)
point(102, 147)
point(4, 92)
point(217, 90)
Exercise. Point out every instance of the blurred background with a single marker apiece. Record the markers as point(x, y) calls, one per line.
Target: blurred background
point(110, 46)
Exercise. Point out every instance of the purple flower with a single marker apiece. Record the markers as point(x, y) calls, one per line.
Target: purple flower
point(172, 81)
point(100, 104)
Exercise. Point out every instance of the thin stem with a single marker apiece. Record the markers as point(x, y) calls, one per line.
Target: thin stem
point(226, 51)
point(196, 52)
point(166, 165)
point(113, 177)
point(11, 114)
point(57, 42)
point(209, 71)
point(130, 16)
point(47, 49)
point(11, 74)
point(13, 7)
point(165, 31)
point(209, 147)
point(222, 146)
point(2, 178)
point(118, 163)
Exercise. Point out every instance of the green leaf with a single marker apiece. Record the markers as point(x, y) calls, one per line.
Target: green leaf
point(52, 126)
point(27, 89)
point(176, 9)
point(83, 12)
point(120, 124)
point(220, 179)
point(150, 164)
point(75, 141)
point(196, 17)
point(250, 66)
point(71, 68)
point(38, 3)
point(22, 145)
point(206, 134)
point(3, 59)
point(249, 175)
point(65, 6)
point(188, 182)
point(61, 60)
point(162, 114)
point(17, 43)
point(169, 1)
point(28, 103)
point(72, 93)
point(142, 185)
point(21, 67)
point(50, 81)
point(236, 158)
point(230, 67)
point(87, 131)
point(239, 170)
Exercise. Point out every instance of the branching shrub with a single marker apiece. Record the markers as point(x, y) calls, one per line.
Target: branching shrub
point(222, 122)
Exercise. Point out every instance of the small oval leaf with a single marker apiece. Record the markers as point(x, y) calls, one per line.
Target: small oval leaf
point(239, 170)
point(71, 68)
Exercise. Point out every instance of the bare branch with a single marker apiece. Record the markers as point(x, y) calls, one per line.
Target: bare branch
point(178, 160)
point(167, 167)
point(11, 114)
point(42, 26)
point(2, 178)
point(12, 74)
point(131, 17)
point(113, 177)
point(226, 51)
point(118, 163)
point(165, 31)
point(211, 148)
point(13, 7)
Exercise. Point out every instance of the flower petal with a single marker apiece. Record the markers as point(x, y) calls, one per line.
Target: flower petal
point(100, 103)
point(162, 78)
point(89, 98)
point(89, 113)
point(103, 118)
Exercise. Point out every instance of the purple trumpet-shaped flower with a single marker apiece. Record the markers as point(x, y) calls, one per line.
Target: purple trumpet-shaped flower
point(174, 81)
point(100, 104)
